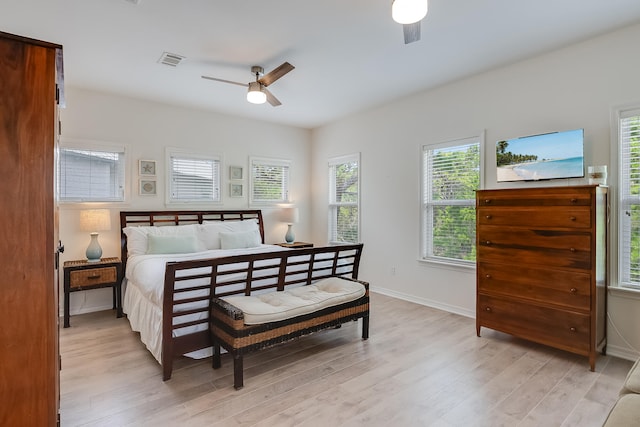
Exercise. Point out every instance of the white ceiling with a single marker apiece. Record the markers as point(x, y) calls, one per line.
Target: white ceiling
point(349, 54)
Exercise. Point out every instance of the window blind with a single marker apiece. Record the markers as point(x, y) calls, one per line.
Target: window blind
point(629, 200)
point(269, 180)
point(91, 175)
point(451, 174)
point(194, 179)
point(344, 199)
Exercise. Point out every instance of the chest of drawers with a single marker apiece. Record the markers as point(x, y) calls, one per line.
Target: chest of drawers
point(541, 265)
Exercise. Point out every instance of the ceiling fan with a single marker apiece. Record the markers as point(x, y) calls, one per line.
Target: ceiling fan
point(257, 91)
point(410, 14)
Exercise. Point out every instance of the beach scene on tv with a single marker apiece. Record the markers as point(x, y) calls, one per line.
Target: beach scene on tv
point(548, 156)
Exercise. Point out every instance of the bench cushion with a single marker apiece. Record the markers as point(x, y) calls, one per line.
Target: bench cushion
point(625, 413)
point(275, 306)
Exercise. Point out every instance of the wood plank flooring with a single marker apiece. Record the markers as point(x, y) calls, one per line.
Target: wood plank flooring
point(420, 367)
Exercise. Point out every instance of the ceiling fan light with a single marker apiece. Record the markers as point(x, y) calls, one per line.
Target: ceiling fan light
point(409, 11)
point(255, 95)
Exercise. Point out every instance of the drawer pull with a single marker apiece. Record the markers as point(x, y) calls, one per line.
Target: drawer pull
point(574, 201)
point(93, 276)
point(488, 243)
point(572, 218)
point(572, 249)
point(487, 201)
point(573, 329)
point(487, 309)
point(573, 290)
point(488, 217)
point(488, 276)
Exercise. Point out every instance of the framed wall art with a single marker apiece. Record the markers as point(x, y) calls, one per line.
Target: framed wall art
point(235, 172)
point(147, 167)
point(148, 187)
point(235, 190)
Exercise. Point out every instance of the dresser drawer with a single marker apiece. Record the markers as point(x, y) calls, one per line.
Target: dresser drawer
point(547, 217)
point(92, 277)
point(570, 196)
point(565, 330)
point(558, 287)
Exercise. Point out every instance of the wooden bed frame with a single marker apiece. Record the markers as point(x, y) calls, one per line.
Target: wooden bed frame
point(173, 347)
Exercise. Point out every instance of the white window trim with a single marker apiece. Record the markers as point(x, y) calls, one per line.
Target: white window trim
point(94, 145)
point(271, 162)
point(615, 184)
point(334, 161)
point(436, 261)
point(169, 151)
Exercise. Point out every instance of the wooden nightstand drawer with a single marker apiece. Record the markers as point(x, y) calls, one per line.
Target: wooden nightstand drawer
point(94, 276)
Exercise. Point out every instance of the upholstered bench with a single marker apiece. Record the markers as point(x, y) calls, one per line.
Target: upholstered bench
point(626, 411)
point(284, 296)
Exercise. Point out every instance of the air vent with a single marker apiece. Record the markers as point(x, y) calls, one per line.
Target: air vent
point(171, 59)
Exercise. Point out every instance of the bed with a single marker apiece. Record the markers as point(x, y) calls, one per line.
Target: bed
point(172, 316)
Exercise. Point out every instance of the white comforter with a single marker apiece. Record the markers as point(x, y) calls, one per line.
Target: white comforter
point(144, 278)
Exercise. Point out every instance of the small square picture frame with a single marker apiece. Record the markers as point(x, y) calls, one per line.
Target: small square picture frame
point(147, 167)
point(148, 187)
point(236, 190)
point(235, 172)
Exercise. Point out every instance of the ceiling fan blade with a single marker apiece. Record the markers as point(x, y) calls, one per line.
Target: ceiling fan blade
point(225, 81)
point(271, 99)
point(411, 32)
point(275, 74)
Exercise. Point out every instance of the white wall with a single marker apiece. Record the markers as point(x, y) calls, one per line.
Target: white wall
point(575, 87)
point(147, 128)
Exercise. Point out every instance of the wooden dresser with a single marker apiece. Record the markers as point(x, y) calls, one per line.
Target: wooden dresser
point(29, 367)
point(541, 265)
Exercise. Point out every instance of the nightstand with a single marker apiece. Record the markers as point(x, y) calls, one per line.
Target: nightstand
point(295, 245)
point(81, 275)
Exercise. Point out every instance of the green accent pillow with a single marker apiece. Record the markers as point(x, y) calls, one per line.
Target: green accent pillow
point(172, 244)
point(240, 239)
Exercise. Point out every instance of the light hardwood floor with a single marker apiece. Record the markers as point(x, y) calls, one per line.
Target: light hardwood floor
point(420, 367)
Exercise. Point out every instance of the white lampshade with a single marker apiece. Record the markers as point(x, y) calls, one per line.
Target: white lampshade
point(409, 11)
point(255, 95)
point(290, 215)
point(95, 220)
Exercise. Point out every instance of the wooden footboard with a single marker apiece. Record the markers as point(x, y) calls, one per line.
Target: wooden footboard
point(190, 287)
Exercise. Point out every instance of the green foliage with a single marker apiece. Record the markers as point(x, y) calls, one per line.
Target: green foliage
point(506, 158)
point(634, 191)
point(454, 226)
point(346, 187)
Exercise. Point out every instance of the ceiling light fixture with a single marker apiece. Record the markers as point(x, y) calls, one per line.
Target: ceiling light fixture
point(256, 95)
point(408, 11)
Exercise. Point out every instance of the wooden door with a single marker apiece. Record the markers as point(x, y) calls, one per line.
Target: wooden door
point(29, 357)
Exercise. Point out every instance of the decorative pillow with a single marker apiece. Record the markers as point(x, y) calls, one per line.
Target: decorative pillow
point(209, 231)
point(137, 237)
point(172, 244)
point(240, 239)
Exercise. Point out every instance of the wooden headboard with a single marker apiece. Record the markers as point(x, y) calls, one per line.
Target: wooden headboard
point(164, 218)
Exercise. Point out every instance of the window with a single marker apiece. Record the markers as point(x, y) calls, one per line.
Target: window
point(91, 173)
point(451, 175)
point(344, 199)
point(193, 177)
point(269, 181)
point(629, 198)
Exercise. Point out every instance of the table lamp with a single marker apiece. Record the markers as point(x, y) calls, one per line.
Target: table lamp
point(94, 220)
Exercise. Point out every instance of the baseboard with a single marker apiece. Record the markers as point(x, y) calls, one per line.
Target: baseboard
point(424, 301)
point(622, 353)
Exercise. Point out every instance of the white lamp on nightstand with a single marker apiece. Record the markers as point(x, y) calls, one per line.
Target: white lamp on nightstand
point(290, 216)
point(94, 220)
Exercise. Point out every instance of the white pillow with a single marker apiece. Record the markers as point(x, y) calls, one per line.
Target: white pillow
point(172, 244)
point(137, 237)
point(209, 231)
point(240, 239)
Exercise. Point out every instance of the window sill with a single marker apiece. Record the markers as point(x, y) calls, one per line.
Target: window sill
point(449, 265)
point(621, 292)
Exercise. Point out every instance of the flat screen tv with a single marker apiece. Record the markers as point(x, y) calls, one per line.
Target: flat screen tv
point(547, 156)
